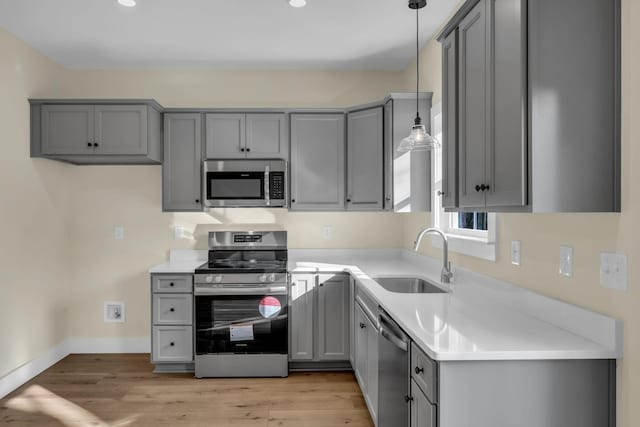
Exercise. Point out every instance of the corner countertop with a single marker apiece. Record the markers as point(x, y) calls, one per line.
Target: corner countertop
point(478, 318)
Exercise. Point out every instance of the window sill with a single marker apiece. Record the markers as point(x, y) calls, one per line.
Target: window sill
point(467, 245)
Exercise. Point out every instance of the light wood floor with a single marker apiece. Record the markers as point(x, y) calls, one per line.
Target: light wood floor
point(121, 390)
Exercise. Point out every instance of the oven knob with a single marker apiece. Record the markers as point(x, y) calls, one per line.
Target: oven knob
point(218, 279)
point(272, 277)
point(209, 279)
point(263, 278)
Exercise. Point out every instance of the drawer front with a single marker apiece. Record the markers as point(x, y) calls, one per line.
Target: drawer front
point(173, 283)
point(172, 309)
point(369, 306)
point(172, 344)
point(425, 373)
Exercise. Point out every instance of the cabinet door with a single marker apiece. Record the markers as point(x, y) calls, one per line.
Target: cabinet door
point(181, 169)
point(225, 136)
point(365, 182)
point(67, 129)
point(361, 349)
point(333, 317)
point(388, 155)
point(301, 316)
point(472, 106)
point(352, 322)
point(121, 129)
point(506, 161)
point(172, 344)
point(317, 162)
point(266, 136)
point(450, 121)
point(423, 413)
point(372, 368)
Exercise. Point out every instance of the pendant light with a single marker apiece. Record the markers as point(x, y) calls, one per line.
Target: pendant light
point(418, 139)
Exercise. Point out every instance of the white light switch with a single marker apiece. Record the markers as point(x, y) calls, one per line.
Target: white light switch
point(613, 271)
point(119, 233)
point(515, 252)
point(178, 232)
point(326, 232)
point(566, 261)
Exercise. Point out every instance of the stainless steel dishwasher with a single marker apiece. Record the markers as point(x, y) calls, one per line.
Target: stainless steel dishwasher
point(393, 374)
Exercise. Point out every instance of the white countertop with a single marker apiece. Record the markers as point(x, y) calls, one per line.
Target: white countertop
point(478, 319)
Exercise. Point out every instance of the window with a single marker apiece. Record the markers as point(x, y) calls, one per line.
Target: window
point(469, 233)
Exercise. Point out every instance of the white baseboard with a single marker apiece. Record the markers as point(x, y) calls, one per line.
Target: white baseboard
point(26, 372)
point(109, 345)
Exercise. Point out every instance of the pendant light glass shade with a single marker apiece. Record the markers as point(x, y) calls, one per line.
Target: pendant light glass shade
point(418, 139)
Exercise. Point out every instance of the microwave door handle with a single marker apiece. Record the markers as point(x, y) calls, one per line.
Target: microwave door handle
point(267, 202)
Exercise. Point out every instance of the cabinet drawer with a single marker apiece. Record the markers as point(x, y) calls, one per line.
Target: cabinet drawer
point(172, 344)
point(172, 309)
point(425, 373)
point(174, 283)
point(369, 306)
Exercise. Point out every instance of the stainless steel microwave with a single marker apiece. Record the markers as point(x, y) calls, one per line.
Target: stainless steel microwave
point(245, 183)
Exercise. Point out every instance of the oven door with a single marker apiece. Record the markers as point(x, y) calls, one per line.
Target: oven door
point(235, 188)
point(241, 320)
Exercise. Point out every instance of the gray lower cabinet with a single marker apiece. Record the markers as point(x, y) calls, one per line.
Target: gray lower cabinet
point(182, 166)
point(172, 322)
point(537, 114)
point(240, 135)
point(407, 176)
point(319, 318)
point(365, 159)
point(97, 133)
point(422, 412)
point(366, 359)
point(317, 162)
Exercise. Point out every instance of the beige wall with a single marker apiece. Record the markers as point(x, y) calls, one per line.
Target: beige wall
point(589, 234)
point(34, 253)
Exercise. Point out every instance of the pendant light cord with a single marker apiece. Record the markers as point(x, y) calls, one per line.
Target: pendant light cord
point(417, 68)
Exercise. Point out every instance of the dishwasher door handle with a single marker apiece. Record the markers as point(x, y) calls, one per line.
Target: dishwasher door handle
point(401, 343)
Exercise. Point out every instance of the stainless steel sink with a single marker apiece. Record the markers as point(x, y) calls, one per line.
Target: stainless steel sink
point(408, 285)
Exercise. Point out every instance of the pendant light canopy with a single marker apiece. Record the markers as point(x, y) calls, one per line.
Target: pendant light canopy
point(418, 139)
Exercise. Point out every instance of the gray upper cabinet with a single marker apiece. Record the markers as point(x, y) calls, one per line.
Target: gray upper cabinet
point(473, 107)
point(232, 136)
point(449, 192)
point(181, 170)
point(333, 317)
point(538, 113)
point(317, 162)
point(104, 132)
point(407, 176)
point(364, 160)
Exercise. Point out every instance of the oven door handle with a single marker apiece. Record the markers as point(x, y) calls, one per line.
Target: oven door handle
point(263, 290)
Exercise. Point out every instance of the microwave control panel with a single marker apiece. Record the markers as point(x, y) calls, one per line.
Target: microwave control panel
point(276, 185)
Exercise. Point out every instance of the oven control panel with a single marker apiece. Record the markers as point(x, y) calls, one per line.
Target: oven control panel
point(276, 185)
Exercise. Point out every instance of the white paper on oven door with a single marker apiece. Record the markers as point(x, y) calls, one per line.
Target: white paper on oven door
point(241, 333)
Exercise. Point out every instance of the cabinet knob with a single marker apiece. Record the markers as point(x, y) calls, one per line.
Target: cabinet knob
point(487, 188)
point(408, 399)
point(89, 144)
point(172, 344)
point(95, 144)
point(418, 370)
point(171, 284)
point(293, 200)
point(362, 326)
point(388, 199)
point(242, 149)
point(348, 200)
point(440, 193)
point(197, 200)
point(172, 309)
point(478, 188)
point(248, 149)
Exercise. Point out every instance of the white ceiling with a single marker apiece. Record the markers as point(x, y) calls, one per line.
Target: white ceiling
point(228, 34)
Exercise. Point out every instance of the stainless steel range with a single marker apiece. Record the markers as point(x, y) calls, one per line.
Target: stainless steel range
point(241, 306)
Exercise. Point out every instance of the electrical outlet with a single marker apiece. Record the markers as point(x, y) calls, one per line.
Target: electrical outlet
point(566, 261)
point(178, 232)
point(515, 252)
point(114, 311)
point(119, 232)
point(326, 232)
point(613, 271)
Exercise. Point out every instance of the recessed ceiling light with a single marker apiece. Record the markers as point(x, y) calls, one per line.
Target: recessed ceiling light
point(298, 3)
point(128, 3)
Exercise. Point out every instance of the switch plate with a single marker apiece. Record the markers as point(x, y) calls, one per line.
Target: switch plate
point(326, 232)
point(613, 271)
point(178, 232)
point(566, 261)
point(114, 312)
point(515, 252)
point(119, 233)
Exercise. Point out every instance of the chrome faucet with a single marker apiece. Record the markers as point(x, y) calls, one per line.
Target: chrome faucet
point(446, 275)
